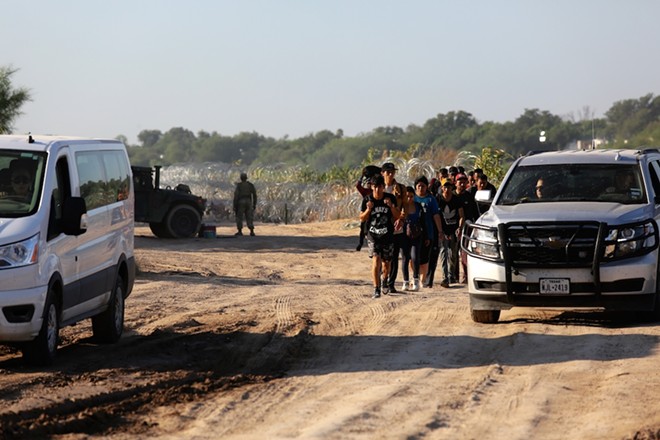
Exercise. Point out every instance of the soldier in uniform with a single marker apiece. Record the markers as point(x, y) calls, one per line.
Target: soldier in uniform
point(245, 202)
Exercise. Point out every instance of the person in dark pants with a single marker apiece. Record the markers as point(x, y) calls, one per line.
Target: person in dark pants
point(451, 209)
point(363, 186)
point(470, 212)
point(388, 170)
point(433, 223)
point(245, 202)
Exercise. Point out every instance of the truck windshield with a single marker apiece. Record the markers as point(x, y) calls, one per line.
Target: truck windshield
point(620, 183)
point(21, 176)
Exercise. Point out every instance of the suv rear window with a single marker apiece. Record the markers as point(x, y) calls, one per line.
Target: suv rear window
point(574, 183)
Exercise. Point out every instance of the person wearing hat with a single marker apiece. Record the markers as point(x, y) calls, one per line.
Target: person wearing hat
point(245, 202)
point(433, 227)
point(388, 171)
point(451, 211)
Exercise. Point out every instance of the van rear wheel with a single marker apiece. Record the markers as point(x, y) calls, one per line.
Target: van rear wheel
point(485, 316)
point(109, 325)
point(183, 221)
point(41, 351)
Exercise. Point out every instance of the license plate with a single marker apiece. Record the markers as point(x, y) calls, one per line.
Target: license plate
point(555, 285)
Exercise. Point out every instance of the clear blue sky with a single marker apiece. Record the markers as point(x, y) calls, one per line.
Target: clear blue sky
point(285, 67)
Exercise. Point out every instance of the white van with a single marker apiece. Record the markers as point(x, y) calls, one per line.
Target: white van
point(66, 239)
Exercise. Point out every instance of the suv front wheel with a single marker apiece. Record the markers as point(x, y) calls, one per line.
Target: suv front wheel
point(485, 316)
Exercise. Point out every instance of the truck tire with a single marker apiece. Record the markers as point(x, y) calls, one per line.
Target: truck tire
point(41, 351)
point(159, 230)
point(109, 325)
point(485, 316)
point(183, 221)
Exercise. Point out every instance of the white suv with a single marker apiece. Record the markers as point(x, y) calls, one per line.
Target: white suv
point(569, 229)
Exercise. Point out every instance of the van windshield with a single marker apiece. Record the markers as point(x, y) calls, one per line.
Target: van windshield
point(620, 183)
point(21, 176)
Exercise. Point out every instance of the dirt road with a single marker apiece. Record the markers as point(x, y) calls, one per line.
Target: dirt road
point(276, 336)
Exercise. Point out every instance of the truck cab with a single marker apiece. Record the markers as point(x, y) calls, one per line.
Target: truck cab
point(170, 212)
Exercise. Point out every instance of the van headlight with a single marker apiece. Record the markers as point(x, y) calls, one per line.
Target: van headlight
point(630, 240)
point(22, 253)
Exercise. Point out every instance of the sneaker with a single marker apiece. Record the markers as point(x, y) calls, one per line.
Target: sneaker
point(392, 289)
point(384, 287)
point(376, 293)
point(415, 285)
point(239, 233)
point(444, 284)
point(251, 233)
point(405, 286)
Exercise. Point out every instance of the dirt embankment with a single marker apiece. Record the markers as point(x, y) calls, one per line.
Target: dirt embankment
point(276, 336)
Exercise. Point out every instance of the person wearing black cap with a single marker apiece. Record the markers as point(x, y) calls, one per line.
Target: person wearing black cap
point(388, 170)
point(245, 202)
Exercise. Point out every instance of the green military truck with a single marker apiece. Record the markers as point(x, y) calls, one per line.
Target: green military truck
point(170, 212)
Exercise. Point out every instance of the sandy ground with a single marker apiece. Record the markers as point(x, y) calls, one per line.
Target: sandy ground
point(277, 336)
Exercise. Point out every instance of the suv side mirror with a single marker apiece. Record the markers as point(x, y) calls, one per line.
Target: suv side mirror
point(483, 196)
point(73, 210)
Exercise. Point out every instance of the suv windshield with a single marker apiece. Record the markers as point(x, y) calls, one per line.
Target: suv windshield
point(20, 182)
point(574, 183)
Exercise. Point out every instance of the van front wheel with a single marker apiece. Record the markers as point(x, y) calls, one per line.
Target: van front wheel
point(109, 325)
point(183, 221)
point(41, 351)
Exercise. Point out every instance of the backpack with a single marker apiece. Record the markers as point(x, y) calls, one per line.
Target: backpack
point(415, 230)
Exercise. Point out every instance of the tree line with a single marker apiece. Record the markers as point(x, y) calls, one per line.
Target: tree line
point(628, 123)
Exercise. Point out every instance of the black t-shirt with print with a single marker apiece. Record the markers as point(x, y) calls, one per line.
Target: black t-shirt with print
point(449, 213)
point(380, 224)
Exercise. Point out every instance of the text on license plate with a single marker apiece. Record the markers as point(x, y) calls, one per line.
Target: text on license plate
point(555, 285)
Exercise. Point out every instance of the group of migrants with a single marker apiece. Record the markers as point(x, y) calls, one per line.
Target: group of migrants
point(419, 224)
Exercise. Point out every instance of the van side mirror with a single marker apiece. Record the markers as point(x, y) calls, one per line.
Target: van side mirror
point(73, 210)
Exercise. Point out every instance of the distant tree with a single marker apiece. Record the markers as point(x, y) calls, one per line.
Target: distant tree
point(149, 138)
point(11, 99)
point(631, 116)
